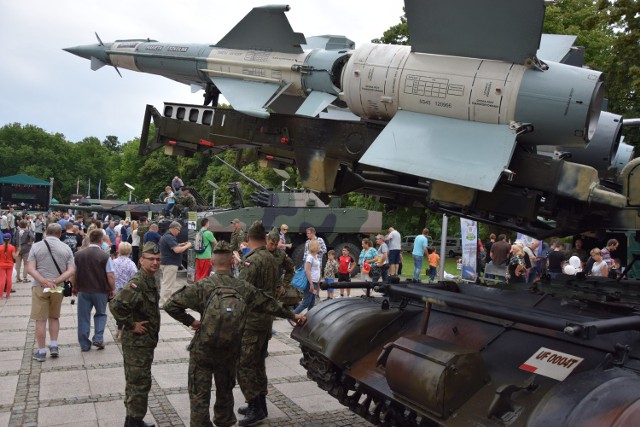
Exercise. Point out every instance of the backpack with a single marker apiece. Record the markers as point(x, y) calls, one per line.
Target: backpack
point(199, 244)
point(71, 241)
point(223, 319)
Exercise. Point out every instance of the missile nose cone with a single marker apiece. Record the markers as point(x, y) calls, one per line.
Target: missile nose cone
point(89, 51)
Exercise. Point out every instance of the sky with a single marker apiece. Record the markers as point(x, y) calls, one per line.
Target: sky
point(47, 87)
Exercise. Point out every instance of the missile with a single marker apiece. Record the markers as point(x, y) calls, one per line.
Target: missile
point(455, 103)
point(261, 63)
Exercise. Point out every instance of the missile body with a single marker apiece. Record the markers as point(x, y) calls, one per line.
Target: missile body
point(467, 100)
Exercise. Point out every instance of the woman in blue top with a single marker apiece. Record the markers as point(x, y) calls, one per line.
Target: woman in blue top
point(368, 255)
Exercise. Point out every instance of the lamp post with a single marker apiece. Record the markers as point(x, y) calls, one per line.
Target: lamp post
point(213, 197)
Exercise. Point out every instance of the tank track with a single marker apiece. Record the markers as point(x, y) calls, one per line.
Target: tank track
point(364, 401)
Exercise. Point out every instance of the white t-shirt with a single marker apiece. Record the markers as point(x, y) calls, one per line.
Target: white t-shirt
point(596, 269)
point(383, 249)
point(394, 240)
point(315, 267)
point(135, 239)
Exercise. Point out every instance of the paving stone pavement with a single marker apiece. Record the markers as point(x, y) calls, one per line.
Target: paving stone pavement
point(87, 389)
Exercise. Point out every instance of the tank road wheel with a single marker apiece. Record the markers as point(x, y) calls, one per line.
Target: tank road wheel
point(353, 250)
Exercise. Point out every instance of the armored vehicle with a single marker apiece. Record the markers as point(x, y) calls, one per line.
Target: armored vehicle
point(339, 227)
point(560, 354)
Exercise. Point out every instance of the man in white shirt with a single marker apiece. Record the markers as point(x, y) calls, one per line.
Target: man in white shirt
point(393, 240)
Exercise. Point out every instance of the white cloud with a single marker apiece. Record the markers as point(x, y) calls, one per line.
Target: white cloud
point(50, 88)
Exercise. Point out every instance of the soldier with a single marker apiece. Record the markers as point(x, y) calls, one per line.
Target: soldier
point(143, 227)
point(184, 199)
point(237, 236)
point(285, 263)
point(136, 307)
point(260, 268)
point(205, 359)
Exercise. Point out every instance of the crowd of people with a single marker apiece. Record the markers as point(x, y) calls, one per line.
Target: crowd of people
point(130, 267)
point(526, 263)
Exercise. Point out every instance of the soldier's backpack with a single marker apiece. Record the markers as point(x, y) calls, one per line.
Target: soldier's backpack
point(198, 243)
point(223, 318)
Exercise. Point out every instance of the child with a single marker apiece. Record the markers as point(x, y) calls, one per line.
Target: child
point(170, 200)
point(346, 265)
point(434, 260)
point(330, 271)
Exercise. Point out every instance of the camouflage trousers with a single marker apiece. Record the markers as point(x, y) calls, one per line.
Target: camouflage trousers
point(137, 373)
point(252, 373)
point(222, 369)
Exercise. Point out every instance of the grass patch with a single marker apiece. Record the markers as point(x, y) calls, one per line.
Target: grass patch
point(407, 267)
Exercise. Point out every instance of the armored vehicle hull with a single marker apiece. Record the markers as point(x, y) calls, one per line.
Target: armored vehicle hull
point(339, 227)
point(461, 356)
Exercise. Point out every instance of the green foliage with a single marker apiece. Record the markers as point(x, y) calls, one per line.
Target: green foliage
point(398, 34)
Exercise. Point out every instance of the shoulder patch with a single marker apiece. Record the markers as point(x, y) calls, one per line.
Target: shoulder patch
point(133, 286)
point(247, 264)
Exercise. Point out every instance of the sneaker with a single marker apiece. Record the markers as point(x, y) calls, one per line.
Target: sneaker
point(85, 349)
point(100, 345)
point(39, 357)
point(54, 351)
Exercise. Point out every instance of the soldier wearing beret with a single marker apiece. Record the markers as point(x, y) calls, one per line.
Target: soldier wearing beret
point(206, 361)
point(136, 307)
point(260, 268)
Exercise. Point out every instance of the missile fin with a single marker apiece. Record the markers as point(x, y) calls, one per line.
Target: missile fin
point(315, 103)
point(471, 154)
point(249, 97)
point(559, 48)
point(96, 64)
point(504, 30)
point(264, 28)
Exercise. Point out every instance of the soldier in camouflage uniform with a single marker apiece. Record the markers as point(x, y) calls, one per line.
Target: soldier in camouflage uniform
point(136, 307)
point(205, 362)
point(143, 227)
point(285, 264)
point(259, 267)
point(185, 200)
point(237, 236)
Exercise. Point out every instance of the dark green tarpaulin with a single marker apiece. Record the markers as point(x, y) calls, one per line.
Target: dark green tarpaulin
point(21, 179)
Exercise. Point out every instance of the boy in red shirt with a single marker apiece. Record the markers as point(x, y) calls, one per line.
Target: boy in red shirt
point(347, 264)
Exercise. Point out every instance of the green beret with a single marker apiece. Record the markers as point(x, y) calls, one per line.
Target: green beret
point(221, 247)
point(150, 248)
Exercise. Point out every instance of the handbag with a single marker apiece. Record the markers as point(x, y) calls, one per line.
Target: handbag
point(366, 267)
point(67, 291)
point(299, 280)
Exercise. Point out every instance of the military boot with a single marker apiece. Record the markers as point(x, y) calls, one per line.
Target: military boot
point(263, 402)
point(132, 422)
point(254, 414)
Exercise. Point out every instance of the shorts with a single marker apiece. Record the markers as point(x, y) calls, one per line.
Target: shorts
point(344, 277)
point(394, 256)
point(45, 305)
point(329, 281)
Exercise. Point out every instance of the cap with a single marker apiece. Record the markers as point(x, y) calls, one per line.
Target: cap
point(175, 224)
point(150, 248)
point(6, 236)
point(235, 220)
point(221, 247)
point(274, 235)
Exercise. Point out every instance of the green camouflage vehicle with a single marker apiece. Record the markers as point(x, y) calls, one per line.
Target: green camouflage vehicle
point(339, 227)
